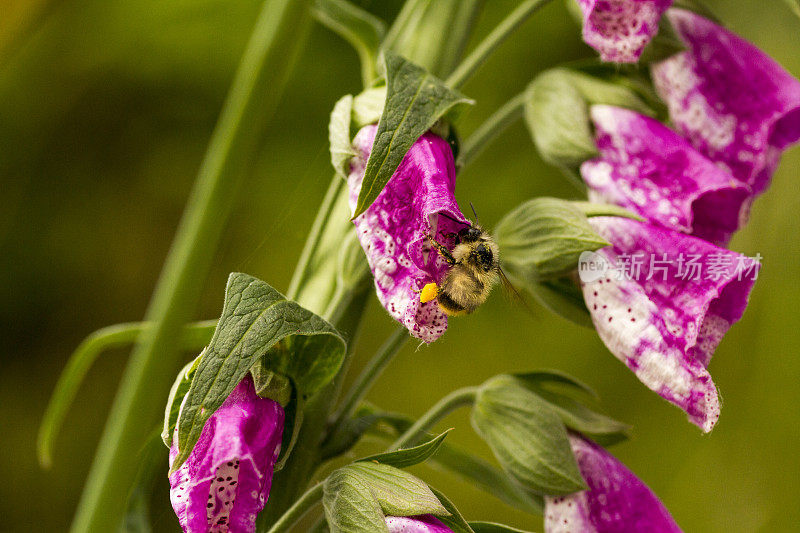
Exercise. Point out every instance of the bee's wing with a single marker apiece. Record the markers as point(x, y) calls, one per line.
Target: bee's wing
point(513, 293)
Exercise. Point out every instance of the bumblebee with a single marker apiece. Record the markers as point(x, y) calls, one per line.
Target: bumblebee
point(474, 269)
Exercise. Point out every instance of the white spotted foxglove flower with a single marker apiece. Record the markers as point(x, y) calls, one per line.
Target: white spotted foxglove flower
point(616, 500)
point(225, 482)
point(652, 171)
point(620, 29)
point(393, 231)
point(663, 305)
point(669, 294)
point(416, 524)
point(733, 102)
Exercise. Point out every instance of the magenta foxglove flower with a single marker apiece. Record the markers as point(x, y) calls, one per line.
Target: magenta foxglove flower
point(620, 29)
point(663, 306)
point(416, 524)
point(393, 230)
point(225, 482)
point(730, 100)
point(616, 501)
point(652, 171)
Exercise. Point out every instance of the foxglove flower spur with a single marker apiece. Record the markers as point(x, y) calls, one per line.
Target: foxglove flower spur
point(616, 501)
point(733, 102)
point(394, 230)
point(225, 482)
point(620, 29)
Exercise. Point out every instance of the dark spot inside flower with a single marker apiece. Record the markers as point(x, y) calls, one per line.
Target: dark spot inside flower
point(610, 318)
point(595, 293)
point(605, 306)
point(210, 505)
point(629, 309)
point(595, 307)
point(220, 479)
point(233, 483)
point(230, 463)
point(229, 478)
point(633, 320)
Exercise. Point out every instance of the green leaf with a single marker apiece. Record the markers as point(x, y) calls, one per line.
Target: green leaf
point(526, 436)
point(454, 520)
point(176, 395)
point(194, 337)
point(349, 504)
point(491, 527)
point(339, 135)
point(363, 30)
point(567, 397)
point(471, 468)
point(544, 237)
point(415, 100)
point(409, 456)
point(561, 296)
point(254, 320)
point(358, 496)
point(269, 384)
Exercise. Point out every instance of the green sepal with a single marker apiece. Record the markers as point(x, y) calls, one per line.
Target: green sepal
point(341, 147)
point(543, 239)
point(592, 209)
point(176, 395)
point(492, 527)
point(415, 100)
point(257, 321)
point(409, 456)
point(562, 297)
point(663, 45)
point(454, 520)
point(557, 113)
point(368, 106)
point(292, 422)
point(526, 436)
point(363, 30)
point(568, 397)
point(269, 384)
point(359, 496)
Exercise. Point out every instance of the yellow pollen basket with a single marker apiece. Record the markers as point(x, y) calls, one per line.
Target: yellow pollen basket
point(429, 292)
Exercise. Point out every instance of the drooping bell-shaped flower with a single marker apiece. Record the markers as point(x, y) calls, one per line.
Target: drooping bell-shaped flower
point(620, 29)
point(652, 171)
point(416, 524)
point(616, 501)
point(225, 482)
point(394, 230)
point(662, 306)
point(733, 102)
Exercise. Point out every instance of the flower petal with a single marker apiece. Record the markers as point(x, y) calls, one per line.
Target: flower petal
point(666, 309)
point(616, 501)
point(225, 482)
point(652, 171)
point(393, 230)
point(620, 29)
point(732, 101)
point(416, 524)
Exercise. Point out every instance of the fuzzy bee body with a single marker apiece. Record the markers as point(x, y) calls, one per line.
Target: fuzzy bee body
point(474, 269)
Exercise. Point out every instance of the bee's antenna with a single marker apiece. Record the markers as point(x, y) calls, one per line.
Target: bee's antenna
point(473, 212)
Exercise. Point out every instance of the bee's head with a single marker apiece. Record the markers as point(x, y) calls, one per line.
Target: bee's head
point(469, 234)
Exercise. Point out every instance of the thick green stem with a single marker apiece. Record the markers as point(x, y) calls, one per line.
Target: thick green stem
point(369, 374)
point(503, 30)
point(253, 97)
point(308, 500)
point(314, 236)
point(443, 407)
point(491, 128)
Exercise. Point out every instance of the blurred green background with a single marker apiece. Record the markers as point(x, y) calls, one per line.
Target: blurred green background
point(105, 110)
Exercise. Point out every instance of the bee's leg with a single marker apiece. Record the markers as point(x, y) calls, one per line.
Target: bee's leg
point(444, 252)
